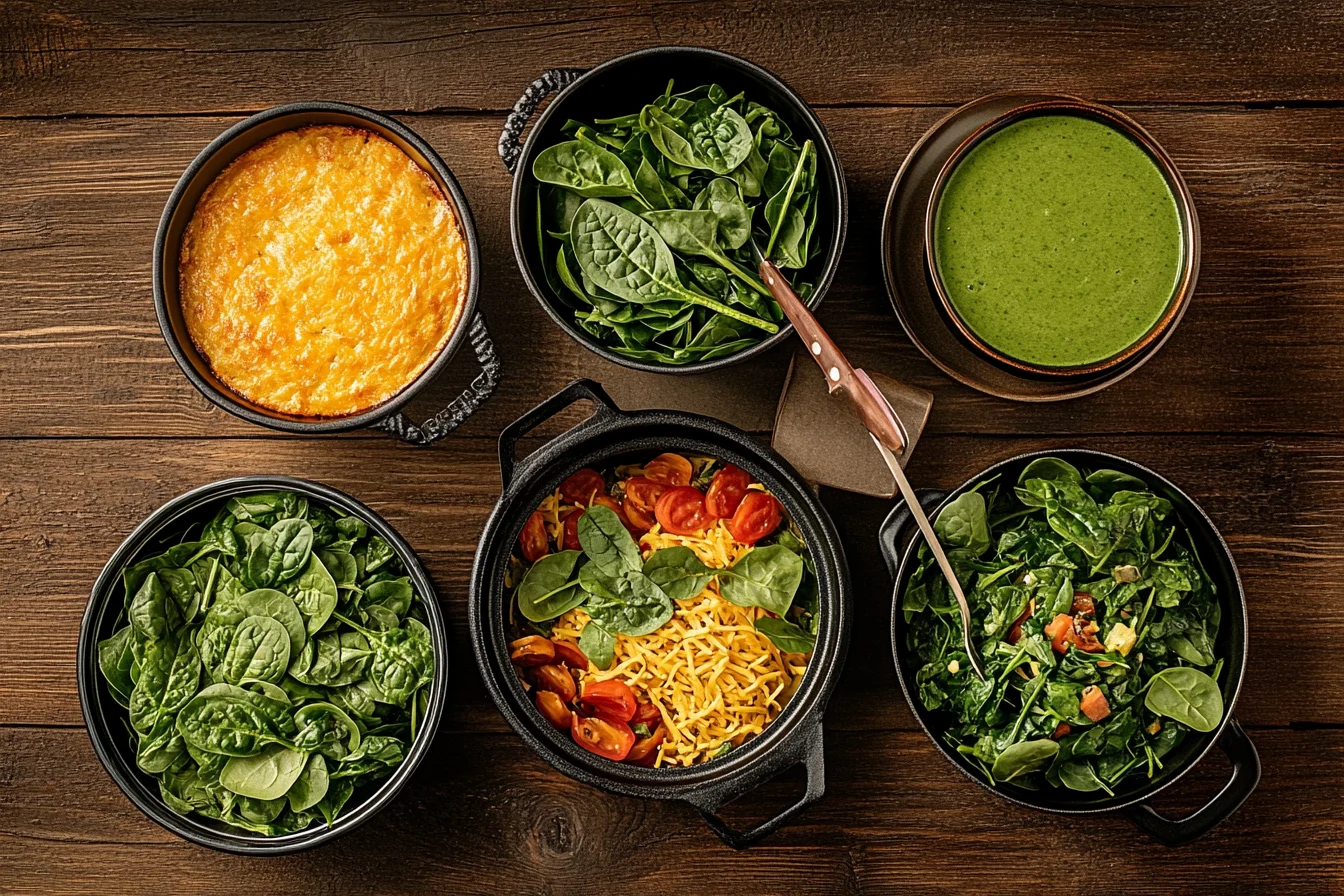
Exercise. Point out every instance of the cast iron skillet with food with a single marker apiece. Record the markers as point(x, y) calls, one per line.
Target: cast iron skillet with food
point(607, 442)
point(699, 154)
point(262, 665)
point(1110, 616)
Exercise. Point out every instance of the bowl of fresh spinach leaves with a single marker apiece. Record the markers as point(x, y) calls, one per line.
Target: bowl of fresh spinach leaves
point(647, 189)
point(262, 665)
point(1109, 616)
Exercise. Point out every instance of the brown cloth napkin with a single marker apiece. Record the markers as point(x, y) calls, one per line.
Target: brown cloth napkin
point(820, 435)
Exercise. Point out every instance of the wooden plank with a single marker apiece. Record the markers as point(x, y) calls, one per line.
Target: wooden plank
point(65, 505)
point(83, 56)
point(484, 815)
point(1259, 350)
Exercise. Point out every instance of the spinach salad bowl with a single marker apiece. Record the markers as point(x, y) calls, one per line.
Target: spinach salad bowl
point(793, 738)
point(1200, 544)
point(616, 91)
point(111, 732)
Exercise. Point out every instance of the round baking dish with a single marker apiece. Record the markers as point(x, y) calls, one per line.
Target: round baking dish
point(386, 416)
point(614, 88)
point(1131, 796)
point(105, 719)
point(793, 738)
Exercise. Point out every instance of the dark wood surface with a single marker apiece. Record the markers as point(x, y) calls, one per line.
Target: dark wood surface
point(102, 104)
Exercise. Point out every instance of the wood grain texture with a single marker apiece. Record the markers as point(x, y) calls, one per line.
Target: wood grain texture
point(205, 57)
point(484, 815)
point(1259, 350)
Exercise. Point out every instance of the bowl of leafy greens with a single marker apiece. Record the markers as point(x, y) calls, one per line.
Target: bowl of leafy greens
point(262, 665)
point(646, 192)
point(1110, 619)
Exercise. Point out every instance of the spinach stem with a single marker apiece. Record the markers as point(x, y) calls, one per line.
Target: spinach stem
point(1026, 707)
point(705, 301)
point(788, 196)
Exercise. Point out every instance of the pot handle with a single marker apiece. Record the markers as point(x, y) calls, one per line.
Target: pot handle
point(511, 140)
point(461, 407)
point(575, 391)
point(712, 802)
point(1245, 775)
point(892, 531)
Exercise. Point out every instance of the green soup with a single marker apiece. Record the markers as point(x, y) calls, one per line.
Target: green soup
point(1058, 240)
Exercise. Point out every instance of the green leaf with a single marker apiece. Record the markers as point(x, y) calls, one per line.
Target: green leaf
point(265, 776)
point(550, 588)
point(1187, 695)
point(585, 169)
point(607, 542)
point(785, 635)
point(766, 577)
point(718, 142)
point(598, 644)
point(628, 604)
point(963, 523)
point(1024, 758)
point(678, 572)
point(310, 787)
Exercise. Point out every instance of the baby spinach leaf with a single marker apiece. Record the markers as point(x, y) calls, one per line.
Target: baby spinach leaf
point(1024, 758)
point(315, 594)
point(678, 572)
point(785, 635)
point(1079, 775)
point(322, 724)
point(233, 721)
point(693, 232)
point(153, 613)
point(722, 197)
point(766, 577)
point(607, 542)
point(718, 142)
point(549, 588)
point(310, 787)
point(585, 169)
point(259, 650)
point(964, 523)
point(265, 776)
point(628, 604)
point(1187, 695)
point(598, 645)
point(281, 554)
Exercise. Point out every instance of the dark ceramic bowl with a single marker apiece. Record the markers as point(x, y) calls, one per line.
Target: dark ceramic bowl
point(611, 436)
point(629, 82)
point(106, 720)
point(1185, 209)
point(212, 161)
point(1133, 794)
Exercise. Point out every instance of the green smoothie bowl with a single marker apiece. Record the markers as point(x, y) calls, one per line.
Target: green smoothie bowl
point(1061, 240)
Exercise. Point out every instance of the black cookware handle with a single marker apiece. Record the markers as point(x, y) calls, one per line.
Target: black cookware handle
point(708, 805)
point(1245, 775)
point(575, 391)
point(461, 407)
point(892, 531)
point(511, 140)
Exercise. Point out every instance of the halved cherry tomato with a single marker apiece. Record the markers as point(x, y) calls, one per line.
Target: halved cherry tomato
point(534, 650)
point(611, 700)
point(570, 655)
point(647, 714)
point(1060, 632)
point(641, 496)
point(681, 511)
point(582, 486)
point(533, 539)
point(555, 679)
point(756, 517)
point(1094, 704)
point(645, 750)
point(1082, 603)
point(1061, 730)
point(726, 491)
point(611, 740)
point(615, 507)
point(570, 540)
point(554, 709)
point(669, 469)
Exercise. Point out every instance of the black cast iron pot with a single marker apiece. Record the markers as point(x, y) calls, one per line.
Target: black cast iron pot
point(610, 436)
point(627, 83)
point(1133, 794)
point(387, 416)
point(106, 720)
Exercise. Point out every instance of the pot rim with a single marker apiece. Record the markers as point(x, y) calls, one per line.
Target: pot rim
point(236, 404)
point(828, 271)
point(1185, 206)
point(621, 433)
point(131, 781)
point(1238, 606)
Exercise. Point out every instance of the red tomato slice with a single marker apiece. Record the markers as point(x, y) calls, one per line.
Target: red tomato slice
point(533, 539)
point(641, 497)
point(570, 540)
point(611, 700)
point(533, 650)
point(604, 501)
point(756, 517)
point(554, 709)
point(611, 740)
point(555, 679)
point(647, 714)
point(582, 486)
point(570, 655)
point(726, 491)
point(681, 511)
point(669, 469)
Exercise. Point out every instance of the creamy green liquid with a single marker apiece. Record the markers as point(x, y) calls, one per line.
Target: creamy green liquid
point(1058, 240)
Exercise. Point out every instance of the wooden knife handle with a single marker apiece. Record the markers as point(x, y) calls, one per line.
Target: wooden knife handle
point(867, 400)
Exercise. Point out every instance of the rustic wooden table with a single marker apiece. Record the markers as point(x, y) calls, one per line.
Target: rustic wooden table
point(104, 103)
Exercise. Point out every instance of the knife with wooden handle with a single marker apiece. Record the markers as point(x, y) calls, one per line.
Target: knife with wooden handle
point(875, 412)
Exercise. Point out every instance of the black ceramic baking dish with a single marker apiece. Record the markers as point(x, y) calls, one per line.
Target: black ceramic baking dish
point(795, 736)
point(106, 720)
point(1132, 796)
point(628, 82)
point(387, 416)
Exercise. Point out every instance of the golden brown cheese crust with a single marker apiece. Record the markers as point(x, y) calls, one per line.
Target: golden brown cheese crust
point(322, 272)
